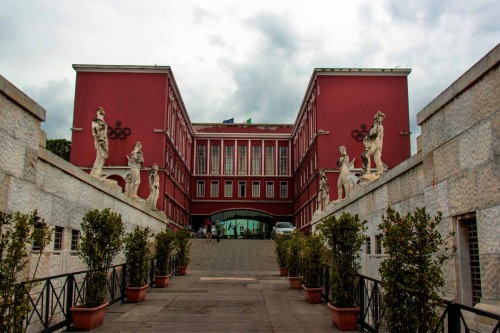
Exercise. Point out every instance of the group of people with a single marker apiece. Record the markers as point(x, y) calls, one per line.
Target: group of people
point(218, 230)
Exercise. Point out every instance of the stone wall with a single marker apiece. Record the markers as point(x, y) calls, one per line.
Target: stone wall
point(33, 178)
point(456, 172)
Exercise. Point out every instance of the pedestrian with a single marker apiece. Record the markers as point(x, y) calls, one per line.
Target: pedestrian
point(208, 226)
point(218, 229)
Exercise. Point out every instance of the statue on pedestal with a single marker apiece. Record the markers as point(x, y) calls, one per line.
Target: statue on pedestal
point(323, 192)
point(100, 134)
point(154, 186)
point(344, 183)
point(135, 161)
point(373, 143)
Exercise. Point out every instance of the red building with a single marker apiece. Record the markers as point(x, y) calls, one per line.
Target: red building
point(237, 172)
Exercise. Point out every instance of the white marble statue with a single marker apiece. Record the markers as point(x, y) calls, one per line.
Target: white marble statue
point(373, 143)
point(344, 183)
point(135, 161)
point(323, 192)
point(100, 134)
point(128, 182)
point(154, 186)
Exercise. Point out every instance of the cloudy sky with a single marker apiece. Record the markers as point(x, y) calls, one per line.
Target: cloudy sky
point(240, 59)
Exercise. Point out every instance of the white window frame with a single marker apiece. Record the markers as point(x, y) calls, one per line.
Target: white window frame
point(242, 184)
point(283, 189)
point(255, 189)
point(269, 189)
point(214, 188)
point(228, 189)
point(200, 188)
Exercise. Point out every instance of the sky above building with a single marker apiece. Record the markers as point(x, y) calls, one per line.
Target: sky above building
point(241, 59)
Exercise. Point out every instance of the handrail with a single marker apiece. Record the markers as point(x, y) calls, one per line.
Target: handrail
point(53, 296)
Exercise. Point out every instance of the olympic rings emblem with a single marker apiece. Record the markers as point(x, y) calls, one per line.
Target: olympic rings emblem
point(118, 132)
point(360, 135)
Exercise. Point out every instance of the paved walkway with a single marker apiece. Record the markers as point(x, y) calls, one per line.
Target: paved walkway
point(231, 286)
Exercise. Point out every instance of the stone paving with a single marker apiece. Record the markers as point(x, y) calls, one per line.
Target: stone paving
point(231, 286)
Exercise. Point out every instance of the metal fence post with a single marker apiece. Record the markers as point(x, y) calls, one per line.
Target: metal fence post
point(69, 299)
point(124, 282)
point(453, 318)
point(361, 302)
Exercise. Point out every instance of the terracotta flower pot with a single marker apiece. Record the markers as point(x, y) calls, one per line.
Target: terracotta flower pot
point(313, 295)
point(295, 281)
point(346, 319)
point(283, 271)
point(161, 281)
point(86, 319)
point(136, 294)
point(182, 270)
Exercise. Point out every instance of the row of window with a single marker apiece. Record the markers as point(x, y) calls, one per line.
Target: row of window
point(59, 240)
point(254, 164)
point(378, 245)
point(242, 189)
point(177, 170)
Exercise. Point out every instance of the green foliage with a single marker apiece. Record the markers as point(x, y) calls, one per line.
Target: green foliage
point(101, 242)
point(344, 236)
point(281, 249)
point(183, 246)
point(313, 254)
point(163, 243)
point(60, 147)
point(137, 255)
point(17, 232)
point(412, 275)
point(294, 245)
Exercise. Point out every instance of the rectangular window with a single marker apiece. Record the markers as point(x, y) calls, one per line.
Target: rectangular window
point(229, 160)
point(283, 160)
point(200, 188)
point(242, 189)
point(283, 189)
point(255, 189)
point(36, 243)
point(269, 189)
point(214, 188)
point(215, 160)
point(269, 160)
point(368, 245)
point(378, 244)
point(202, 159)
point(474, 262)
point(242, 160)
point(228, 188)
point(255, 160)
point(58, 238)
point(75, 240)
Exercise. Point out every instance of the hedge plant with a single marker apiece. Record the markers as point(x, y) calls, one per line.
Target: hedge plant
point(137, 256)
point(163, 244)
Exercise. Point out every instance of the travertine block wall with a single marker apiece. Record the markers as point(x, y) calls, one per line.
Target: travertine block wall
point(457, 172)
point(33, 178)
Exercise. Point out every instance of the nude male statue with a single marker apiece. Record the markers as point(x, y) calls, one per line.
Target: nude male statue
point(100, 134)
point(373, 143)
point(344, 183)
point(135, 161)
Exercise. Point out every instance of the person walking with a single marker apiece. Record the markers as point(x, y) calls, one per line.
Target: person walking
point(208, 226)
point(218, 229)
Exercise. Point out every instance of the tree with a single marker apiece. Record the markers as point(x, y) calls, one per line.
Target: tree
point(60, 147)
point(412, 275)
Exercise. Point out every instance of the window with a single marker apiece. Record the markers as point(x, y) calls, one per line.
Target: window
point(229, 160)
point(269, 189)
point(200, 188)
point(269, 160)
point(214, 188)
point(228, 188)
point(255, 160)
point(38, 229)
point(368, 245)
point(75, 240)
point(242, 189)
point(255, 189)
point(166, 159)
point(242, 160)
point(378, 244)
point(215, 160)
point(283, 189)
point(202, 159)
point(283, 160)
point(58, 238)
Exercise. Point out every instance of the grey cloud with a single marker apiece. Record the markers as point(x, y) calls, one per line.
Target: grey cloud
point(428, 11)
point(278, 32)
point(216, 40)
point(56, 97)
point(200, 14)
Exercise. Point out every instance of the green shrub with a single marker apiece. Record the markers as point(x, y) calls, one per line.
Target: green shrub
point(183, 246)
point(313, 254)
point(294, 245)
point(163, 243)
point(281, 249)
point(137, 256)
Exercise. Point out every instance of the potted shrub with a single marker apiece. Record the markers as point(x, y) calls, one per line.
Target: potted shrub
point(281, 251)
point(137, 257)
point(102, 233)
point(294, 244)
point(183, 247)
point(313, 253)
point(344, 237)
point(163, 245)
point(413, 239)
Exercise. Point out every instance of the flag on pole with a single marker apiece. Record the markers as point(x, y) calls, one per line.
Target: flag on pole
point(228, 121)
point(249, 120)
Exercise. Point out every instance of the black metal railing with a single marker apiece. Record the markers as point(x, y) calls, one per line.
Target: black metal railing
point(52, 297)
point(455, 318)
